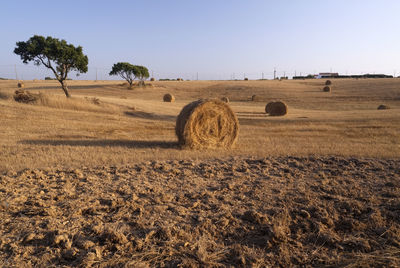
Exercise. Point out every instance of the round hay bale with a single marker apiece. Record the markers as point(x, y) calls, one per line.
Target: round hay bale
point(25, 96)
point(21, 85)
point(246, 79)
point(328, 82)
point(168, 98)
point(327, 89)
point(277, 108)
point(383, 107)
point(268, 107)
point(225, 99)
point(207, 124)
point(152, 79)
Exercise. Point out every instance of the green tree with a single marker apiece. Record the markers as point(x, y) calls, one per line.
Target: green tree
point(130, 72)
point(54, 54)
point(142, 74)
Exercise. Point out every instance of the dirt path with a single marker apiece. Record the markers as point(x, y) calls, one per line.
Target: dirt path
point(242, 212)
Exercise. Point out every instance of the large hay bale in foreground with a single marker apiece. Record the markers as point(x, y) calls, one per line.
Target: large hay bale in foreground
point(225, 99)
point(327, 89)
point(21, 85)
point(168, 98)
point(383, 107)
point(276, 108)
point(25, 96)
point(328, 83)
point(207, 124)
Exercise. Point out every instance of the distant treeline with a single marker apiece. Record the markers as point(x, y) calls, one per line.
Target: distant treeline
point(346, 76)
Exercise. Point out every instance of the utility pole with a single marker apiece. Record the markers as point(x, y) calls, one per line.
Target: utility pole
point(16, 74)
point(152, 73)
point(233, 76)
point(284, 74)
point(274, 73)
point(96, 74)
point(262, 76)
point(197, 76)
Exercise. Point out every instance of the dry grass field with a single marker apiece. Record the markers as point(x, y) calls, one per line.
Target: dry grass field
point(136, 125)
point(99, 180)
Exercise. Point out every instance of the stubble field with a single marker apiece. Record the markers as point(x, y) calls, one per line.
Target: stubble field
point(98, 180)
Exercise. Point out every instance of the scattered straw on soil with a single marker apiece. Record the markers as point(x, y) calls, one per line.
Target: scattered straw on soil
point(328, 82)
point(25, 96)
point(207, 124)
point(5, 95)
point(268, 212)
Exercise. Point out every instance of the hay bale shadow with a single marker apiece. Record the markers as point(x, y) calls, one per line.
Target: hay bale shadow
point(140, 144)
point(152, 116)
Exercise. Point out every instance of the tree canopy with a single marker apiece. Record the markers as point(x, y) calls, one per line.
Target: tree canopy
point(130, 72)
point(55, 54)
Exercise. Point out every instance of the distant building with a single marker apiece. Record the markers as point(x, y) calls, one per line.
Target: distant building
point(326, 75)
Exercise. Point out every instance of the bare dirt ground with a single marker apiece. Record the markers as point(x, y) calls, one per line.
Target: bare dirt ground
point(285, 211)
point(99, 180)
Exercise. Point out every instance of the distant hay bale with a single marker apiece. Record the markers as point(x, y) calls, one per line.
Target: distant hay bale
point(268, 107)
point(21, 85)
point(152, 79)
point(276, 108)
point(168, 98)
point(246, 79)
point(179, 79)
point(207, 124)
point(328, 83)
point(225, 99)
point(255, 98)
point(383, 107)
point(24, 96)
point(327, 89)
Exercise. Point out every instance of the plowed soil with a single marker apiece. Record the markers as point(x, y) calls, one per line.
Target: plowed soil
point(240, 211)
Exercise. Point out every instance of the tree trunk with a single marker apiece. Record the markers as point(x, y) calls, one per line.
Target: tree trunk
point(65, 88)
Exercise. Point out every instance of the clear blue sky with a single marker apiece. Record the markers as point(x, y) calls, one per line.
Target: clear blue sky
point(215, 38)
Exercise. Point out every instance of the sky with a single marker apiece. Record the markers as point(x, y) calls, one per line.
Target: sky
point(210, 39)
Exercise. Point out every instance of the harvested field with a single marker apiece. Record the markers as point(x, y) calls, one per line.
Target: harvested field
point(281, 211)
point(99, 179)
